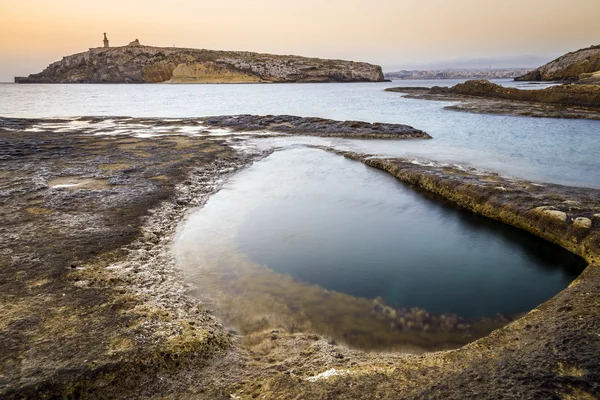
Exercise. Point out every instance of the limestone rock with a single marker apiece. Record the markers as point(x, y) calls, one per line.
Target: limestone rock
point(552, 213)
point(582, 222)
point(568, 67)
point(146, 64)
point(210, 72)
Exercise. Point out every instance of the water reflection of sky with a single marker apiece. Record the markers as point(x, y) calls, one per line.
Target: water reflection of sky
point(339, 224)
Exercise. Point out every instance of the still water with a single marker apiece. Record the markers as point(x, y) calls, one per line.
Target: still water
point(345, 227)
point(552, 150)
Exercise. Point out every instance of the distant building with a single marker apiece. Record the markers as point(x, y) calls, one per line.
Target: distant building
point(106, 41)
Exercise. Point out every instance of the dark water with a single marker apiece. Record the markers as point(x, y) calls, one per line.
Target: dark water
point(346, 227)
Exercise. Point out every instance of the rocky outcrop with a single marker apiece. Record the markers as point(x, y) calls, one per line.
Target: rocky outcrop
point(568, 95)
point(568, 67)
point(145, 64)
point(564, 95)
point(592, 78)
point(314, 126)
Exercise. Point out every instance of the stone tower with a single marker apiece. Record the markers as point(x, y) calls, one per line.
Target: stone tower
point(105, 41)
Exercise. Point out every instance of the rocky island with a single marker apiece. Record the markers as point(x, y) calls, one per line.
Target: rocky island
point(136, 63)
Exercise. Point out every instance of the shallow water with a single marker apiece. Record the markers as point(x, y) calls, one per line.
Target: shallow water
point(328, 221)
point(552, 150)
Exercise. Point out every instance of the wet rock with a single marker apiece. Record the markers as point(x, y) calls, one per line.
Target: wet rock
point(290, 124)
point(568, 67)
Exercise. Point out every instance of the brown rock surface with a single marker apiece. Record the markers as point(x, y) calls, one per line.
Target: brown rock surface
point(210, 72)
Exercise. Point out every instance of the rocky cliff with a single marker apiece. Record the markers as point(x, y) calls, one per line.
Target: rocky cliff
point(568, 67)
point(146, 64)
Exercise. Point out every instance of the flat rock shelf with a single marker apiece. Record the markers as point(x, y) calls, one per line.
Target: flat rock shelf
point(93, 305)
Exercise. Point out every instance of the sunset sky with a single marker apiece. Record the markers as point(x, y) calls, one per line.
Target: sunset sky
point(393, 33)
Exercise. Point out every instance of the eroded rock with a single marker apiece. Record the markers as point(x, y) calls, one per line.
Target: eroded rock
point(582, 222)
point(552, 212)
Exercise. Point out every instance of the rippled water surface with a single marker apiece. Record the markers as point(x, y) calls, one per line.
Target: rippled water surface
point(555, 150)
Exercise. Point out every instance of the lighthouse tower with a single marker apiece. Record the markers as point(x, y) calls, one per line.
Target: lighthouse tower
point(105, 41)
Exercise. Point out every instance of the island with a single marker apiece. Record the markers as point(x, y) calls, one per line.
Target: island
point(136, 63)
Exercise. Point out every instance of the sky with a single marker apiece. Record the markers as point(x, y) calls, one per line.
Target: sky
point(397, 34)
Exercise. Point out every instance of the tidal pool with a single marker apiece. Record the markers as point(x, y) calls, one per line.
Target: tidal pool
point(309, 241)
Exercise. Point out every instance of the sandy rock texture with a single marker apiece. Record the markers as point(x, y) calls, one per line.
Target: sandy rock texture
point(146, 64)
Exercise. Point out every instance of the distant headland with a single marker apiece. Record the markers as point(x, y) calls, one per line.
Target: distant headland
point(581, 66)
point(458, 73)
point(136, 63)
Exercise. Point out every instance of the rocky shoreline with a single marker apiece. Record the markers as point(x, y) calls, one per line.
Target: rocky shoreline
point(484, 97)
point(93, 305)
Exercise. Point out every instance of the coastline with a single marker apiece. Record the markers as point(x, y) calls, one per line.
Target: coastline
point(163, 342)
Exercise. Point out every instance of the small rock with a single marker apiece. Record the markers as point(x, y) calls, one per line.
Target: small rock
point(582, 222)
point(552, 213)
point(596, 216)
point(555, 214)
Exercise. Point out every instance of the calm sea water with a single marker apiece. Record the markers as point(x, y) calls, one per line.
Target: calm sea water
point(346, 227)
point(553, 150)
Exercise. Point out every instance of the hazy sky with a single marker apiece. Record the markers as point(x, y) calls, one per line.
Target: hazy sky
point(393, 33)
